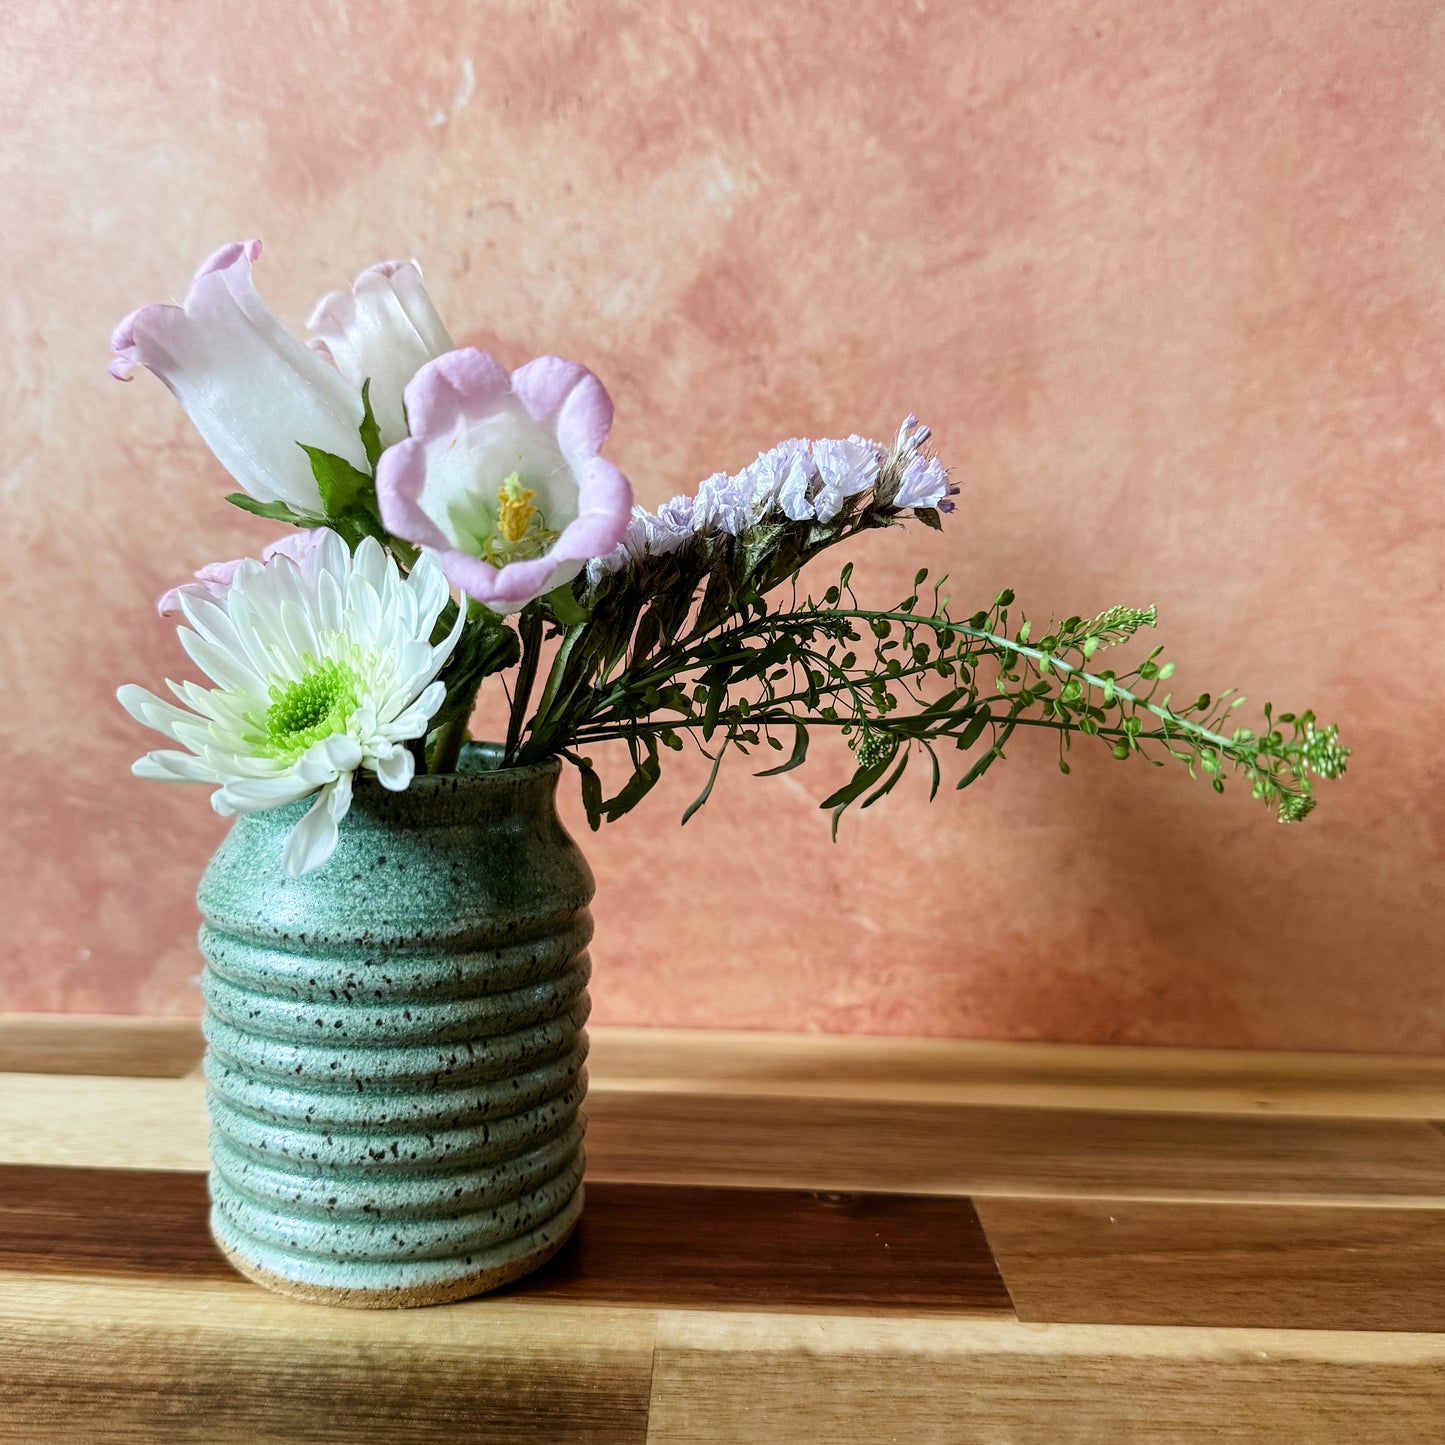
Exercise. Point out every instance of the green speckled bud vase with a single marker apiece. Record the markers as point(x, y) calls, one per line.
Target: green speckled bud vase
point(395, 1041)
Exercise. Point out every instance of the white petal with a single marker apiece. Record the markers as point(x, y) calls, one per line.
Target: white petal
point(370, 561)
point(313, 839)
point(219, 664)
point(301, 635)
point(172, 767)
point(333, 555)
point(394, 770)
point(363, 610)
point(208, 619)
point(149, 710)
point(255, 795)
point(428, 584)
point(337, 754)
point(330, 602)
point(413, 721)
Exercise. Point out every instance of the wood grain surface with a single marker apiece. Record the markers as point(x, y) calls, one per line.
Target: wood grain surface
point(830, 1143)
point(663, 1246)
point(675, 1061)
point(729, 1380)
point(96, 1361)
point(1122, 1261)
point(67, 1044)
point(771, 1253)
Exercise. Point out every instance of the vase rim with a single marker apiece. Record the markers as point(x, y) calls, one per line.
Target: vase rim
point(477, 767)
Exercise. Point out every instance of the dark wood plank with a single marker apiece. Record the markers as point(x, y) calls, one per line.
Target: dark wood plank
point(686, 1247)
point(643, 1245)
point(1289, 1266)
point(127, 1223)
point(137, 1048)
point(894, 1146)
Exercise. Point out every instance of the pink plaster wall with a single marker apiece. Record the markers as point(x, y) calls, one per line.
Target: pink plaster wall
point(1165, 278)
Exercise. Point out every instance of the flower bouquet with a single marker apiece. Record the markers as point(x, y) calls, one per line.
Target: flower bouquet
point(396, 928)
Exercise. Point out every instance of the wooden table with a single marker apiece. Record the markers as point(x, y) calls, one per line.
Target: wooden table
point(786, 1239)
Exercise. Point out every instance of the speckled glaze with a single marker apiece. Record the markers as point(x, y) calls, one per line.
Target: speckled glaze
point(395, 1042)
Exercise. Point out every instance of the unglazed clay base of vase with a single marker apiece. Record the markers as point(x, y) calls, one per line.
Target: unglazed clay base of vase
point(489, 1271)
point(395, 1042)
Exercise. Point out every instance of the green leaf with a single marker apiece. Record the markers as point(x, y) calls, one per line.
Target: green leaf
point(647, 636)
point(974, 731)
point(863, 778)
point(795, 759)
point(887, 784)
point(370, 432)
point(929, 517)
point(715, 680)
point(272, 511)
point(591, 789)
point(706, 793)
point(565, 606)
point(644, 776)
point(343, 487)
point(988, 759)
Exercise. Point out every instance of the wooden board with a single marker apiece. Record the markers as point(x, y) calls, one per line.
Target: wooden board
point(770, 1253)
point(137, 1362)
point(725, 1380)
point(666, 1246)
point(677, 1061)
point(1120, 1261)
point(831, 1143)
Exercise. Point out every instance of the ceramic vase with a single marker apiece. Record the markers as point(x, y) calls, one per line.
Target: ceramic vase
point(394, 1042)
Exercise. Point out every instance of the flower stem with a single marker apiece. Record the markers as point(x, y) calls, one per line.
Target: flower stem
point(530, 627)
point(446, 748)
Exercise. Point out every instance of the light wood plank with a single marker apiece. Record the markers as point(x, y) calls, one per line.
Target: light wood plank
point(1035, 1075)
point(1119, 1261)
point(229, 1364)
point(101, 1122)
point(948, 1149)
point(830, 1144)
point(832, 1066)
point(99, 1044)
point(743, 1379)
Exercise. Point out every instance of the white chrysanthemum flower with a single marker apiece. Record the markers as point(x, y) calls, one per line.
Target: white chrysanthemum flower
point(320, 669)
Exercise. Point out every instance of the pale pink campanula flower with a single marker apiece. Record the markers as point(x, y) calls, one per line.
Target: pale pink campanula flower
point(253, 390)
point(213, 581)
point(385, 329)
point(501, 475)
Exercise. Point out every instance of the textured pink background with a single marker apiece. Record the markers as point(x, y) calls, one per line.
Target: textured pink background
point(1166, 280)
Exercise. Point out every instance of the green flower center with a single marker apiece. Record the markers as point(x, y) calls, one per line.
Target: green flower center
point(308, 708)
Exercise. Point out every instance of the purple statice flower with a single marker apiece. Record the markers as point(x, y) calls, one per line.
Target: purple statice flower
point(845, 468)
point(783, 477)
point(648, 534)
point(924, 483)
point(676, 519)
point(725, 504)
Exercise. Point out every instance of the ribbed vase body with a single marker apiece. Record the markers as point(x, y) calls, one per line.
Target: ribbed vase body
point(395, 1041)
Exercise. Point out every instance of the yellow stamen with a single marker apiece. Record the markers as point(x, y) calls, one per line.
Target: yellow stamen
point(514, 519)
